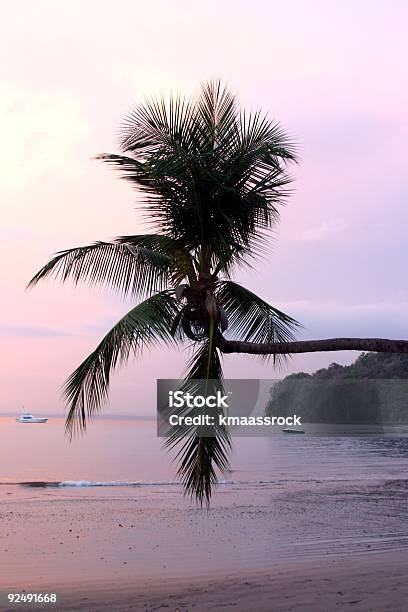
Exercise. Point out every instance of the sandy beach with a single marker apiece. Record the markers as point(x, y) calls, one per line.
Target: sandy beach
point(315, 546)
point(369, 583)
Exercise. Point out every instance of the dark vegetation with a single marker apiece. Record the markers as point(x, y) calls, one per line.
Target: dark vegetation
point(374, 389)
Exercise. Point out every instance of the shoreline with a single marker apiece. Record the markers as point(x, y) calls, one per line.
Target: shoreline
point(310, 546)
point(306, 526)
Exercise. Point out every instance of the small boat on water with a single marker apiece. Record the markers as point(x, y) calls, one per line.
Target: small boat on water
point(289, 430)
point(27, 417)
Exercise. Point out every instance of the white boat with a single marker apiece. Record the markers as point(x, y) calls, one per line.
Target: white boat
point(26, 417)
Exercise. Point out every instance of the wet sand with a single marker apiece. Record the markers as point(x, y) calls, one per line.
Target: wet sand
point(369, 583)
point(309, 546)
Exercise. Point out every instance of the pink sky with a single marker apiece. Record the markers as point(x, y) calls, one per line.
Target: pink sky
point(334, 74)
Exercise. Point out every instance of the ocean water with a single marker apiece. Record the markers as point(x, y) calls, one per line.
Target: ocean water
point(107, 506)
point(125, 452)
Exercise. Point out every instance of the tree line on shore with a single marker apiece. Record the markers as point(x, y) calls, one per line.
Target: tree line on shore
point(373, 389)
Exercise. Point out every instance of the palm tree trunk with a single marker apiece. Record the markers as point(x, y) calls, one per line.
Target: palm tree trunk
point(379, 345)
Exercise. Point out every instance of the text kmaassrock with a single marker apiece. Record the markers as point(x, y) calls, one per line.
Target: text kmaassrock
point(234, 421)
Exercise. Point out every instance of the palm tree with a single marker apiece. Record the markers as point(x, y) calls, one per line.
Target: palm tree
point(210, 179)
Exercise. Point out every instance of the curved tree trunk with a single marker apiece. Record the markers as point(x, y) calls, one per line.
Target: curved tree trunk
point(379, 345)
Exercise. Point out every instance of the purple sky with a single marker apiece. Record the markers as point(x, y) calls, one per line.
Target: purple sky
point(333, 73)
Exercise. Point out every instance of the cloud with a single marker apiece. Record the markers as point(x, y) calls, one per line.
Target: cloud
point(31, 332)
point(328, 319)
point(324, 231)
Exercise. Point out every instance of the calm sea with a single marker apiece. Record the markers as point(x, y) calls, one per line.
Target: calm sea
point(126, 452)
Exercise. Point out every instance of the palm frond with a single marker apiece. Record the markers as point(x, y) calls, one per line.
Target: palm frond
point(216, 113)
point(183, 264)
point(158, 125)
point(86, 390)
point(132, 267)
point(252, 319)
point(201, 453)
